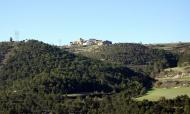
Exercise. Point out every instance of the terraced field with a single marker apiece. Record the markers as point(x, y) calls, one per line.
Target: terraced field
point(185, 78)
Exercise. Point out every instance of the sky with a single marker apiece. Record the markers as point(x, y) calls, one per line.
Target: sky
point(62, 21)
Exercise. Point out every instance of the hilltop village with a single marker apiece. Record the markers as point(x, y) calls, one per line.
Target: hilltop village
point(83, 42)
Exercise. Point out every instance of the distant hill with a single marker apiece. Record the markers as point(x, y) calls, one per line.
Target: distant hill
point(182, 48)
point(176, 47)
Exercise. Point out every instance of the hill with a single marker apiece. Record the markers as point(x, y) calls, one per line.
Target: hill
point(39, 78)
point(182, 48)
point(63, 72)
point(179, 47)
point(136, 56)
point(36, 69)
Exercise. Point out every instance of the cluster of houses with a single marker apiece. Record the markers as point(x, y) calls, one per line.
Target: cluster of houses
point(82, 42)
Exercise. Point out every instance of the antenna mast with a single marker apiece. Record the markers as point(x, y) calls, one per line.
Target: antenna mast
point(17, 35)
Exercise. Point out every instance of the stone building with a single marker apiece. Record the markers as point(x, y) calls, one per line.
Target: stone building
point(82, 42)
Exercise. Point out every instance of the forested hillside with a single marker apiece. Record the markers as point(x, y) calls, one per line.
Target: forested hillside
point(183, 50)
point(59, 71)
point(136, 56)
point(36, 69)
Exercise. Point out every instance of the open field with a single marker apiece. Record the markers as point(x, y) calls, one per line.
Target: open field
point(156, 93)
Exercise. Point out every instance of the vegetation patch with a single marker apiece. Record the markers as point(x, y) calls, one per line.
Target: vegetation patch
point(169, 93)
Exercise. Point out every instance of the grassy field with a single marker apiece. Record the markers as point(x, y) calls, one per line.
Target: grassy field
point(170, 93)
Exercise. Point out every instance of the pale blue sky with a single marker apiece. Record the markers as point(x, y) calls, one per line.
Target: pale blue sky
point(62, 21)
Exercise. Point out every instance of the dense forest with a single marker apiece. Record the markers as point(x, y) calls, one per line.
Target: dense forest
point(115, 104)
point(39, 78)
